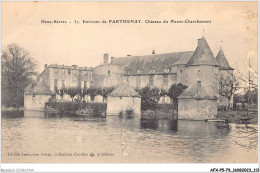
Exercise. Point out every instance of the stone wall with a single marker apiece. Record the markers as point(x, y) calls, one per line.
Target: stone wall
point(195, 109)
point(36, 102)
point(141, 81)
point(107, 75)
point(115, 105)
point(72, 77)
point(208, 75)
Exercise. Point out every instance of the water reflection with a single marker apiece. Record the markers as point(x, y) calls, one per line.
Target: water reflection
point(162, 125)
point(12, 114)
point(130, 140)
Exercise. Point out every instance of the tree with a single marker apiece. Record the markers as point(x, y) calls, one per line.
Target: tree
point(150, 98)
point(18, 70)
point(92, 92)
point(61, 92)
point(228, 85)
point(84, 93)
point(105, 92)
point(175, 91)
point(72, 92)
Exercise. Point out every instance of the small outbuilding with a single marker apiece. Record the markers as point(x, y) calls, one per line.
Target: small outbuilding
point(36, 95)
point(124, 98)
point(195, 103)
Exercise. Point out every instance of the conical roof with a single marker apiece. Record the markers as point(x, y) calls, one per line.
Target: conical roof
point(40, 88)
point(124, 90)
point(222, 61)
point(197, 90)
point(202, 55)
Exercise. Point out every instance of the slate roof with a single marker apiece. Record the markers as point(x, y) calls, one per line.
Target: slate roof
point(202, 55)
point(124, 90)
point(192, 92)
point(158, 61)
point(222, 61)
point(39, 88)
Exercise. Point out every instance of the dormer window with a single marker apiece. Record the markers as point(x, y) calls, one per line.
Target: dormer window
point(139, 71)
point(127, 70)
point(166, 70)
point(152, 69)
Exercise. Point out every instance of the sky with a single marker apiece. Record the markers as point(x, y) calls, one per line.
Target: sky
point(233, 27)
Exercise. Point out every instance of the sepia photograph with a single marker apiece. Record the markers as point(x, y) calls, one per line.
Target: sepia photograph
point(129, 82)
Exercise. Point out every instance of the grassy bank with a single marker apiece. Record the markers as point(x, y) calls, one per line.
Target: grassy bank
point(92, 109)
point(238, 117)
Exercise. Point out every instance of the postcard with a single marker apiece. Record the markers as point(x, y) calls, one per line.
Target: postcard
point(129, 82)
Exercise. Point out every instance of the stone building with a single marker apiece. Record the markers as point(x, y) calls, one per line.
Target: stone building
point(36, 95)
point(225, 74)
point(155, 70)
point(197, 103)
point(60, 76)
point(123, 98)
point(107, 75)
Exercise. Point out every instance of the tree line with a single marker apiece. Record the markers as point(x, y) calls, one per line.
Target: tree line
point(150, 95)
point(76, 91)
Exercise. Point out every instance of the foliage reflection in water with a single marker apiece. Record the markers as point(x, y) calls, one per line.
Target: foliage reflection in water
point(119, 139)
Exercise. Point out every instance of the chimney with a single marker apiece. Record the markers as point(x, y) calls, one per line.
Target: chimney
point(153, 52)
point(112, 59)
point(45, 66)
point(199, 88)
point(105, 60)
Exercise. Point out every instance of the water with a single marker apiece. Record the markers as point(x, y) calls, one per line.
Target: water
point(56, 138)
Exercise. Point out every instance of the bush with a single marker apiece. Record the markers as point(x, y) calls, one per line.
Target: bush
point(95, 109)
point(150, 98)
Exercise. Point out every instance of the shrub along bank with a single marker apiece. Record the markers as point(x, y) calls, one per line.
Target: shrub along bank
point(90, 109)
point(162, 111)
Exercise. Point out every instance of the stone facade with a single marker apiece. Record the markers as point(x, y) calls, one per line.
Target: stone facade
point(58, 76)
point(155, 70)
point(124, 98)
point(36, 95)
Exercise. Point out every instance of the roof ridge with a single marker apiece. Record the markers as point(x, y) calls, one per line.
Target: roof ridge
point(203, 54)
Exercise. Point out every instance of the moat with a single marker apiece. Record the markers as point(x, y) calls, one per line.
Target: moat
point(38, 137)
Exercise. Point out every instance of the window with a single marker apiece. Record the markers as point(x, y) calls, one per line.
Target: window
point(33, 97)
point(151, 79)
point(165, 80)
point(55, 84)
point(216, 71)
point(108, 72)
point(56, 70)
point(138, 82)
point(85, 84)
point(63, 83)
point(69, 71)
point(63, 71)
